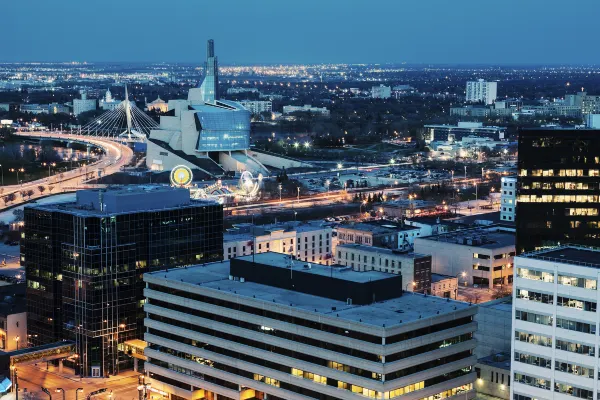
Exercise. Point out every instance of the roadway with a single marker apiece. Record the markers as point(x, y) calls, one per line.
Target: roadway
point(33, 377)
point(117, 155)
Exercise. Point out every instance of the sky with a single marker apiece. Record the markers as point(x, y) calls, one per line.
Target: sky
point(306, 31)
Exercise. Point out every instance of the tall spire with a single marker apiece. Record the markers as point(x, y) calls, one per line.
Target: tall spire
point(210, 84)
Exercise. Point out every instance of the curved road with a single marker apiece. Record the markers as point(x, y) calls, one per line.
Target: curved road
point(117, 155)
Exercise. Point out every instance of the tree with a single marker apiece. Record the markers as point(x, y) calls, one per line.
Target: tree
point(50, 187)
point(9, 197)
point(19, 215)
point(41, 189)
point(29, 193)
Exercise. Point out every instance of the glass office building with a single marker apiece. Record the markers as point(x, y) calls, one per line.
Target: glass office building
point(85, 261)
point(223, 126)
point(558, 188)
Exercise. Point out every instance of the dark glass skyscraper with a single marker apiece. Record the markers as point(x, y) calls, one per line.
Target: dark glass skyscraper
point(85, 261)
point(558, 188)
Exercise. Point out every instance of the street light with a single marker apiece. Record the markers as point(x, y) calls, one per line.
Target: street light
point(413, 283)
point(363, 203)
point(340, 166)
point(464, 275)
point(17, 338)
point(280, 192)
point(298, 187)
point(61, 390)
point(17, 170)
point(328, 183)
point(77, 393)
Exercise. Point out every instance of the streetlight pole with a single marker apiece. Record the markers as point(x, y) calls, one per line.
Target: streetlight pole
point(465, 173)
point(77, 393)
point(463, 274)
point(298, 187)
point(17, 340)
point(61, 390)
point(280, 193)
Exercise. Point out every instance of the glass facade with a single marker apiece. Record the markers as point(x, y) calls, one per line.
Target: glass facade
point(558, 188)
point(84, 272)
point(223, 126)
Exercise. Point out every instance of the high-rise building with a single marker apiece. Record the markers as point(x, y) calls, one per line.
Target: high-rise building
point(481, 91)
point(558, 188)
point(84, 263)
point(508, 198)
point(555, 320)
point(267, 327)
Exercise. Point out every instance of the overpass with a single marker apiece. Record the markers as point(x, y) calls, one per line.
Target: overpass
point(31, 355)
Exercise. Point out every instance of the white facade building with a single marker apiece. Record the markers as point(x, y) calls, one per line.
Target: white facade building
point(108, 103)
point(381, 92)
point(309, 242)
point(508, 198)
point(306, 108)
point(482, 91)
point(592, 121)
point(555, 323)
point(257, 106)
point(485, 255)
point(83, 105)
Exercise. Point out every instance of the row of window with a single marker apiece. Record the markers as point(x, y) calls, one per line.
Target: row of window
point(560, 344)
point(566, 280)
point(548, 198)
point(562, 301)
point(560, 172)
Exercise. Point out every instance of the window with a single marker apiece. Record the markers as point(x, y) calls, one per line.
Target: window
point(532, 381)
point(576, 326)
point(574, 369)
point(576, 303)
point(579, 348)
point(539, 340)
point(533, 360)
point(481, 256)
point(535, 296)
point(585, 283)
point(535, 275)
point(573, 391)
point(532, 317)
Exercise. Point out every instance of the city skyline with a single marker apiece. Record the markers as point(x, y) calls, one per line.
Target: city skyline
point(433, 32)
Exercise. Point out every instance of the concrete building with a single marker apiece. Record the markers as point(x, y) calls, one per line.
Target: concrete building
point(508, 198)
point(481, 91)
point(381, 92)
point(484, 254)
point(257, 106)
point(444, 285)
point(323, 111)
point(57, 108)
point(494, 327)
point(493, 375)
point(84, 104)
point(471, 111)
point(408, 208)
point(238, 90)
point(455, 133)
point(555, 322)
point(592, 121)
point(311, 242)
point(245, 329)
point(415, 268)
point(34, 108)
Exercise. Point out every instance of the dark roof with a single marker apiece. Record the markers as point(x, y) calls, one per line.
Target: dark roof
point(569, 254)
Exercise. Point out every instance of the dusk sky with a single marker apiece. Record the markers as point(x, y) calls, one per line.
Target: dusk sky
point(308, 31)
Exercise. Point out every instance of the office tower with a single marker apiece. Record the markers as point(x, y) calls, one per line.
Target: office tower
point(481, 91)
point(262, 328)
point(210, 83)
point(558, 188)
point(554, 341)
point(85, 260)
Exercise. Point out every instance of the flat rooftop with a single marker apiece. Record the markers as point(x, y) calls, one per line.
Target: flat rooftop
point(381, 250)
point(486, 238)
point(126, 199)
point(281, 260)
point(499, 360)
point(578, 255)
point(373, 228)
point(394, 312)
point(440, 277)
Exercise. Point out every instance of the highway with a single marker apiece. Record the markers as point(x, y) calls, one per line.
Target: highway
point(117, 155)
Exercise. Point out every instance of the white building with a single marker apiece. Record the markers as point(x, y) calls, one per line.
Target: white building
point(257, 106)
point(485, 255)
point(508, 198)
point(84, 104)
point(444, 286)
point(592, 121)
point(306, 108)
point(555, 323)
point(108, 103)
point(481, 91)
point(257, 329)
point(413, 267)
point(309, 242)
point(381, 92)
